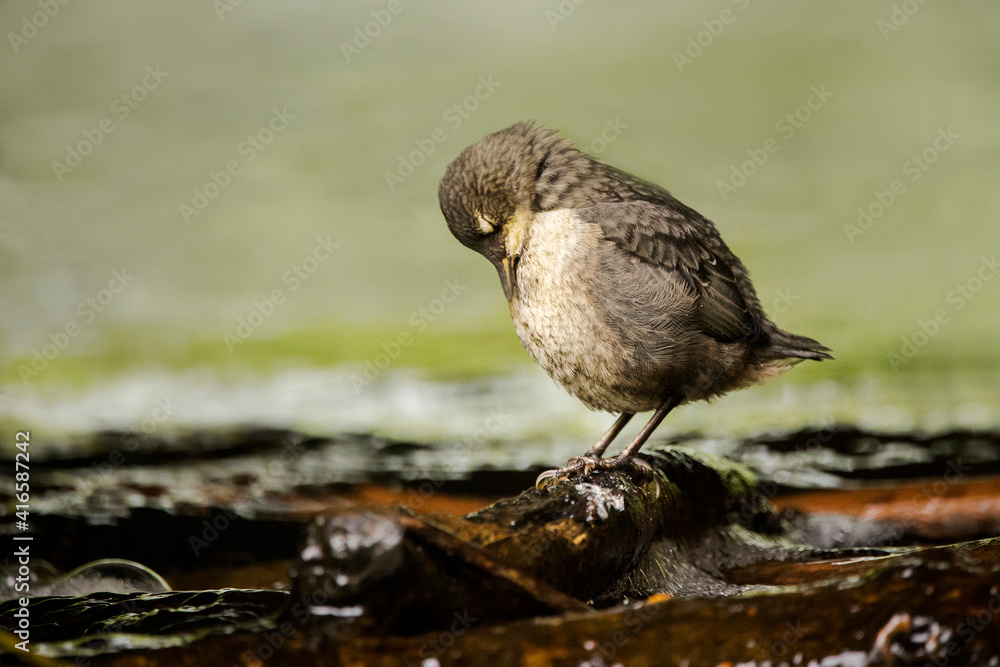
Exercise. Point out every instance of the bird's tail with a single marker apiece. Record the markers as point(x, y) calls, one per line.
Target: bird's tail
point(785, 345)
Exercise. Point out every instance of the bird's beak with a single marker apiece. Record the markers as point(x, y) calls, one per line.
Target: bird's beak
point(508, 276)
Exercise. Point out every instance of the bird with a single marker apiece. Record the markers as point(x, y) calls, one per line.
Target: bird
point(625, 296)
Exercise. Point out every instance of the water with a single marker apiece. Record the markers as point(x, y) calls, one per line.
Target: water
point(279, 147)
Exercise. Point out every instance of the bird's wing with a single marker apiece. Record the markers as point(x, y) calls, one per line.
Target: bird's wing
point(676, 239)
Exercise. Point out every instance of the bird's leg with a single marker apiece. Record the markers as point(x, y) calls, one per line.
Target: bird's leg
point(592, 459)
point(628, 454)
point(589, 460)
point(597, 451)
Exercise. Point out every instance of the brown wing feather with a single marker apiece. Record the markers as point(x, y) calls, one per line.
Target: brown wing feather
point(689, 247)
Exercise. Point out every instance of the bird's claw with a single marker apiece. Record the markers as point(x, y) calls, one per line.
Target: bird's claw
point(641, 464)
point(546, 478)
point(575, 464)
point(586, 464)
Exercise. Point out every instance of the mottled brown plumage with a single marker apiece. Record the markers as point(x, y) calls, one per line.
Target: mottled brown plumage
point(624, 295)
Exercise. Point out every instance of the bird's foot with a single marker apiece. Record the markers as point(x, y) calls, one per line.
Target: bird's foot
point(586, 464)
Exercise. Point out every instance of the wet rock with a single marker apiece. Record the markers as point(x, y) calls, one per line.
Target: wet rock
point(102, 623)
point(699, 560)
point(676, 528)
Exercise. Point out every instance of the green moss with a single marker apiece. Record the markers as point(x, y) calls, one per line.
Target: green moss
point(440, 353)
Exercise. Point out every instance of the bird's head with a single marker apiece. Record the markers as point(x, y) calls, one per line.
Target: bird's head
point(488, 193)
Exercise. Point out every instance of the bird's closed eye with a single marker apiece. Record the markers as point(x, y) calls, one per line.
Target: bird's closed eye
point(486, 226)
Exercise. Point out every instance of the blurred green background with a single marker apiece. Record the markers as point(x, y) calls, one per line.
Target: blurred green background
point(213, 153)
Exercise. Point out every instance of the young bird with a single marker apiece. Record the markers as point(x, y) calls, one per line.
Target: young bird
point(625, 296)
